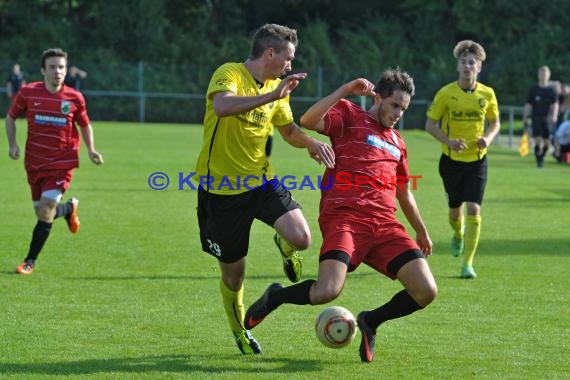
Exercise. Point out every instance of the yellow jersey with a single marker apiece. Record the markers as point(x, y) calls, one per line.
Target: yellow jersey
point(462, 115)
point(232, 159)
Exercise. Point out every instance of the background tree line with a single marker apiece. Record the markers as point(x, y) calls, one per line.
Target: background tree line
point(182, 41)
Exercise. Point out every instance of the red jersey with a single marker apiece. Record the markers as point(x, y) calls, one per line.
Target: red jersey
point(53, 140)
point(371, 161)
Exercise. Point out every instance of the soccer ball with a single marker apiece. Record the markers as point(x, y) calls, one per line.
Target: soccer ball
point(335, 327)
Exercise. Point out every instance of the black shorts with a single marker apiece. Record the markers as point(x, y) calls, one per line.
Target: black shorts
point(463, 181)
point(540, 128)
point(225, 220)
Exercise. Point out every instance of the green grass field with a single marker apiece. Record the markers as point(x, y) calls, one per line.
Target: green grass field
point(131, 296)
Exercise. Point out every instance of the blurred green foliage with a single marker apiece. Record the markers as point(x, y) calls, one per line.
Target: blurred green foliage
point(181, 42)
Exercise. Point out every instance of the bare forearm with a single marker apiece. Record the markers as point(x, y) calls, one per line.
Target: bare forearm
point(87, 134)
point(494, 128)
point(526, 112)
point(294, 136)
point(434, 130)
point(554, 112)
point(228, 104)
point(313, 117)
point(11, 130)
point(412, 214)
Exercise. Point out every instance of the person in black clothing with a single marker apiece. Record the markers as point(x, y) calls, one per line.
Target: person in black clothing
point(540, 113)
point(15, 81)
point(74, 77)
point(563, 103)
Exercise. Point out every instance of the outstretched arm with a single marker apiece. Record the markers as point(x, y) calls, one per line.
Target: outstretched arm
point(313, 118)
point(318, 150)
point(227, 103)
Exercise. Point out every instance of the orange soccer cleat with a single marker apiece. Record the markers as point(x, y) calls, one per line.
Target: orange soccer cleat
point(72, 219)
point(27, 267)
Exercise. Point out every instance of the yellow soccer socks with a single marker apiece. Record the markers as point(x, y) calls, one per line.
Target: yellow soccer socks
point(233, 305)
point(471, 237)
point(457, 227)
point(457, 243)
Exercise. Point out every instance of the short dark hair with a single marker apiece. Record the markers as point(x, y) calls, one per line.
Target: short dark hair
point(52, 52)
point(272, 36)
point(392, 80)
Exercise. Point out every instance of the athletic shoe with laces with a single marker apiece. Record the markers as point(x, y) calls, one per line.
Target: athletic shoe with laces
point(259, 310)
point(247, 343)
point(291, 261)
point(27, 267)
point(72, 219)
point(366, 350)
point(467, 272)
point(457, 246)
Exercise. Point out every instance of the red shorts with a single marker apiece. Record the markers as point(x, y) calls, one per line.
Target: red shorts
point(41, 181)
point(366, 240)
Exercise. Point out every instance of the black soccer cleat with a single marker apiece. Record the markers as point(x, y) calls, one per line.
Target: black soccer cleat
point(259, 310)
point(368, 339)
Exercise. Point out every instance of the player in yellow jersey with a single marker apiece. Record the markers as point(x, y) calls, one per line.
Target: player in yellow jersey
point(456, 118)
point(237, 182)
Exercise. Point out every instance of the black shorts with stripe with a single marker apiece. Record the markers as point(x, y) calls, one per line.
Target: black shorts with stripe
point(225, 220)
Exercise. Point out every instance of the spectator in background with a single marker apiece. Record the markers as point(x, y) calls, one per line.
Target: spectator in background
point(15, 81)
point(457, 118)
point(564, 103)
point(74, 77)
point(540, 113)
point(562, 142)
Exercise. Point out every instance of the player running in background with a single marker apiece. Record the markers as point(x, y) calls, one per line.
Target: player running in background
point(243, 100)
point(52, 146)
point(359, 224)
point(456, 118)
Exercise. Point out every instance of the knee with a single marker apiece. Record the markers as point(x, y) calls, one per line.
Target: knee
point(426, 295)
point(233, 283)
point(233, 275)
point(45, 213)
point(301, 240)
point(321, 295)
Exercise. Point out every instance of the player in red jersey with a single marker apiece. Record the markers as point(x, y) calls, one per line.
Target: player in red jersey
point(358, 222)
point(52, 146)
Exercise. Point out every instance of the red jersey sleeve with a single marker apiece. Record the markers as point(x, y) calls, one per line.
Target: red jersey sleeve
point(18, 106)
point(80, 115)
point(337, 118)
